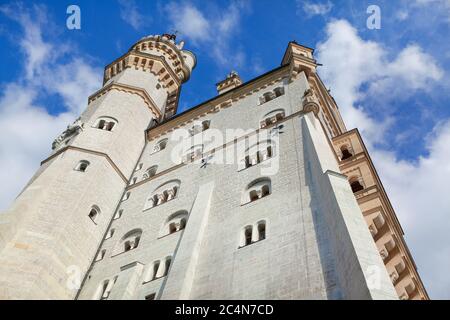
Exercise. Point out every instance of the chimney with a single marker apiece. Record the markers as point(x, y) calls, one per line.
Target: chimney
point(232, 81)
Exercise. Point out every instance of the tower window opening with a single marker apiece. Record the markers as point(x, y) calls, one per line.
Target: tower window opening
point(199, 127)
point(160, 145)
point(248, 236)
point(272, 118)
point(105, 123)
point(100, 255)
point(167, 266)
point(129, 241)
point(150, 172)
point(155, 269)
point(118, 214)
point(110, 234)
point(126, 196)
point(253, 233)
point(94, 213)
point(345, 153)
point(261, 230)
point(172, 228)
point(258, 189)
point(268, 96)
point(151, 296)
point(82, 166)
point(164, 193)
point(256, 154)
point(104, 289)
point(101, 124)
point(356, 186)
point(158, 269)
point(174, 223)
point(278, 91)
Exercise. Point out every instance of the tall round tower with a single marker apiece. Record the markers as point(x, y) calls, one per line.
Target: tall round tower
point(51, 233)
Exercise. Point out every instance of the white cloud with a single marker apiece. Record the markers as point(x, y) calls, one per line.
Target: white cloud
point(351, 63)
point(443, 6)
point(189, 22)
point(27, 129)
point(32, 45)
point(129, 12)
point(314, 8)
point(419, 193)
point(413, 69)
point(358, 70)
point(402, 15)
point(214, 30)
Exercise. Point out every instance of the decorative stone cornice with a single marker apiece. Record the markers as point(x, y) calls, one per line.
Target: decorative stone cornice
point(128, 89)
point(97, 153)
point(157, 65)
point(222, 101)
point(181, 60)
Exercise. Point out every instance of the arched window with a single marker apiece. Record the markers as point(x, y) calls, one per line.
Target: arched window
point(94, 213)
point(164, 193)
point(150, 172)
point(206, 124)
point(152, 271)
point(266, 97)
point(345, 153)
point(126, 196)
point(160, 145)
point(258, 189)
point(101, 290)
point(158, 269)
point(82, 166)
point(270, 95)
point(261, 230)
point(118, 214)
point(199, 127)
point(167, 263)
point(356, 185)
point(253, 233)
point(257, 153)
point(247, 239)
point(129, 241)
point(110, 233)
point(151, 296)
point(278, 91)
point(105, 123)
point(104, 289)
point(100, 255)
point(174, 223)
point(272, 117)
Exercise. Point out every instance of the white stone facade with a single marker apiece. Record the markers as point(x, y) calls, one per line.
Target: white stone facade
point(177, 231)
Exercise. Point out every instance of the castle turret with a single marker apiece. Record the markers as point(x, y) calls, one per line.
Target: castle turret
point(53, 229)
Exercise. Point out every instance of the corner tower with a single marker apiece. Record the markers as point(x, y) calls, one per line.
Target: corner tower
point(51, 233)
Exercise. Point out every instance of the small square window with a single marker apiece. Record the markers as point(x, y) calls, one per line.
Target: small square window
point(150, 296)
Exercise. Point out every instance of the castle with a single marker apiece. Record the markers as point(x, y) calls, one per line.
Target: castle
point(258, 193)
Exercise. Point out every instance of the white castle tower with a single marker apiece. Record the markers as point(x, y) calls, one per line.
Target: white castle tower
point(258, 193)
point(56, 224)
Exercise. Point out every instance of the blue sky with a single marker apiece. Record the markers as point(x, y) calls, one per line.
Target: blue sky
point(392, 83)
